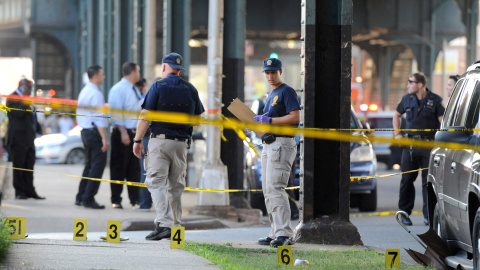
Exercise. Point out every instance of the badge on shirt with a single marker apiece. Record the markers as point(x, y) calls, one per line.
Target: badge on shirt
point(430, 104)
point(274, 101)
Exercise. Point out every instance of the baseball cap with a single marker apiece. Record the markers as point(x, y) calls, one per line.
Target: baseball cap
point(272, 64)
point(174, 60)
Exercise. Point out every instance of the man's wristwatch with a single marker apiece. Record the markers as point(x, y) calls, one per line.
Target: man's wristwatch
point(137, 141)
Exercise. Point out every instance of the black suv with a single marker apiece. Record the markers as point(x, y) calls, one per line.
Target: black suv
point(453, 175)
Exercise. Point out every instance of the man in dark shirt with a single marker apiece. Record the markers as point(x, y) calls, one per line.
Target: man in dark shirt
point(166, 161)
point(424, 110)
point(22, 129)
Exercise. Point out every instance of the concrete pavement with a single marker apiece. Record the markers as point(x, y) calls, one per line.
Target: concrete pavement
point(50, 244)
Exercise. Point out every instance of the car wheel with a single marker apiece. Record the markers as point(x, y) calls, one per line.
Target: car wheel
point(354, 198)
point(76, 156)
point(476, 241)
point(368, 202)
point(436, 224)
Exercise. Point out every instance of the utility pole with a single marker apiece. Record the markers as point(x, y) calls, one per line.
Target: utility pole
point(214, 172)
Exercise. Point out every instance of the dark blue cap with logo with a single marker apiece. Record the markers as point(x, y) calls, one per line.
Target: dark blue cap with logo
point(272, 64)
point(174, 60)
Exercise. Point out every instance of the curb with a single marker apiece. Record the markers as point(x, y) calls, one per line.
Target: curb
point(190, 223)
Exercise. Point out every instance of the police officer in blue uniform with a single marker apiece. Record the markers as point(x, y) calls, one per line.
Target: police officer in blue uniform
point(424, 110)
point(166, 161)
point(278, 154)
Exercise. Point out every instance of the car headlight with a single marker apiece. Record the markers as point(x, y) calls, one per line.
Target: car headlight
point(362, 153)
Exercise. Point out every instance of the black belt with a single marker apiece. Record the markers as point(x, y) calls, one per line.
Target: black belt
point(168, 137)
point(270, 138)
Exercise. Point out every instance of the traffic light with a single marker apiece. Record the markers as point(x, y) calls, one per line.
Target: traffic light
point(274, 55)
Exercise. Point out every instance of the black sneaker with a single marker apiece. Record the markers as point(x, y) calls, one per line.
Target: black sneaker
point(265, 241)
point(405, 220)
point(425, 221)
point(281, 241)
point(117, 205)
point(159, 233)
point(94, 205)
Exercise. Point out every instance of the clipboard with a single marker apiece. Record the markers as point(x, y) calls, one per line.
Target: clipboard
point(243, 113)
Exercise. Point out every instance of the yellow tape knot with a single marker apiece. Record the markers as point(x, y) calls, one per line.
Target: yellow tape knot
point(4, 108)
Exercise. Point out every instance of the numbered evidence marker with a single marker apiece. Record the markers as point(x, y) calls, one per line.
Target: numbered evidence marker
point(17, 227)
point(113, 231)
point(80, 229)
point(392, 257)
point(284, 254)
point(178, 237)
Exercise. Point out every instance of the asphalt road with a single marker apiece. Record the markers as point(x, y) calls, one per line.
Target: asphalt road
point(57, 183)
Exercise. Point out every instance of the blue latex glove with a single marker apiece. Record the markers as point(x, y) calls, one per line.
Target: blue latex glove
point(262, 119)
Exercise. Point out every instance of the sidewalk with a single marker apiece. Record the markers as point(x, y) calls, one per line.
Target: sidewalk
point(50, 244)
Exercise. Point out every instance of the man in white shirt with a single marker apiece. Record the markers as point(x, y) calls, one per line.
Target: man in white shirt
point(94, 137)
point(124, 96)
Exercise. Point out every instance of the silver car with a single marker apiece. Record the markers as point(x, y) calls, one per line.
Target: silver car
point(454, 175)
point(60, 148)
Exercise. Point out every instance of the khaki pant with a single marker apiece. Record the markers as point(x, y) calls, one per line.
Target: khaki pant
point(166, 167)
point(277, 161)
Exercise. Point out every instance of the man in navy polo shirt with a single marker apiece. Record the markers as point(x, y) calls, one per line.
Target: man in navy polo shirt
point(278, 154)
point(423, 110)
point(166, 161)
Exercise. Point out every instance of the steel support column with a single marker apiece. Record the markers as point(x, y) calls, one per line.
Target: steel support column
point(326, 67)
point(232, 153)
point(176, 30)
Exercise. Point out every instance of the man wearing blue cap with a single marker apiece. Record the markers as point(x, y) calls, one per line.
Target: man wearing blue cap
point(278, 154)
point(166, 161)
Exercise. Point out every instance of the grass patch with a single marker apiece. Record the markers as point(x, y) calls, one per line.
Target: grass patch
point(5, 243)
point(228, 257)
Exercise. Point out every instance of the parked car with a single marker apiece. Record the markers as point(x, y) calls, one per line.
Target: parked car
point(453, 176)
point(389, 154)
point(363, 162)
point(60, 148)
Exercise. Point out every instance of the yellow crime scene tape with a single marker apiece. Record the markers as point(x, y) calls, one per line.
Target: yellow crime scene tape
point(181, 118)
point(360, 178)
point(386, 213)
point(315, 133)
point(136, 184)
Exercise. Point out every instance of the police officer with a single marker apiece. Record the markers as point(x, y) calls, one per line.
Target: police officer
point(166, 161)
point(278, 154)
point(424, 110)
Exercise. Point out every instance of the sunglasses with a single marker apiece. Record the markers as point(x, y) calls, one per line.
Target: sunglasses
point(410, 81)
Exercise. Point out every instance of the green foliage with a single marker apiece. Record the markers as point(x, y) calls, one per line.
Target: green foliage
point(228, 257)
point(5, 243)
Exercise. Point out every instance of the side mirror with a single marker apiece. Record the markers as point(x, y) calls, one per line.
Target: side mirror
point(464, 137)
